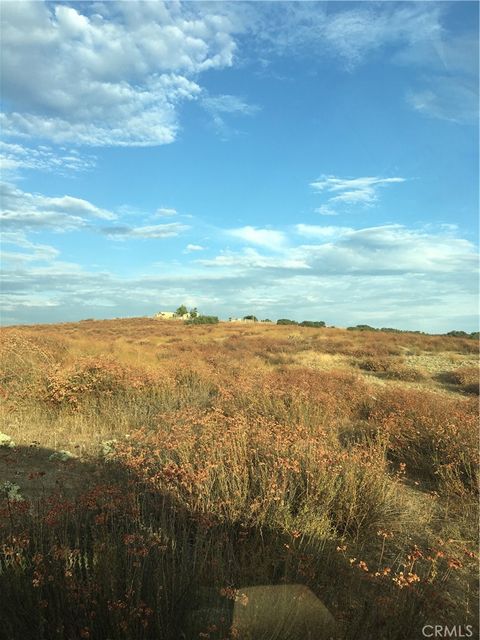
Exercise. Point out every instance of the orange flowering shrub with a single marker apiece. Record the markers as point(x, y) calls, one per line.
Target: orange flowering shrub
point(93, 377)
point(392, 368)
point(261, 471)
point(468, 378)
point(435, 436)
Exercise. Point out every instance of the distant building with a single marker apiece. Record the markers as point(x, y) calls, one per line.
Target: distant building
point(242, 320)
point(170, 315)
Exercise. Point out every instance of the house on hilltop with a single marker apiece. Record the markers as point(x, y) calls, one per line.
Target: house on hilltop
point(244, 319)
point(170, 315)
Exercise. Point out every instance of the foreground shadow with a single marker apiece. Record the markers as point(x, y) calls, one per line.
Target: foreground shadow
point(91, 551)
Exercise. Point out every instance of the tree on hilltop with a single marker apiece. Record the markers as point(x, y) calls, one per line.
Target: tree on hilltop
point(181, 311)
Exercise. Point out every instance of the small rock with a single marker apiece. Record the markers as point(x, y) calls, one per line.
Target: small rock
point(63, 456)
point(12, 492)
point(6, 441)
point(108, 447)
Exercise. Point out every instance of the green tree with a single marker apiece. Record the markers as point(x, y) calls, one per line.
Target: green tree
point(194, 312)
point(181, 311)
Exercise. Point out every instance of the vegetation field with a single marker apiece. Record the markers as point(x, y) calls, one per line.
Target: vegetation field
point(151, 472)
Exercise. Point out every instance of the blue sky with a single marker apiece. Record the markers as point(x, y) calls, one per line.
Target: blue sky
point(305, 160)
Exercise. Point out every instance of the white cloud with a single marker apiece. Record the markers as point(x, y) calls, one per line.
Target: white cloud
point(106, 73)
point(22, 210)
point(78, 206)
point(32, 251)
point(15, 156)
point(218, 106)
point(358, 32)
point(321, 232)
point(251, 259)
point(446, 98)
point(393, 249)
point(193, 247)
point(449, 80)
point(415, 34)
point(228, 104)
point(325, 210)
point(349, 33)
point(165, 212)
point(386, 276)
point(350, 191)
point(117, 73)
point(268, 238)
point(155, 231)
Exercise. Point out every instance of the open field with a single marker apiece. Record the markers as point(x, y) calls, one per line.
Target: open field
point(160, 469)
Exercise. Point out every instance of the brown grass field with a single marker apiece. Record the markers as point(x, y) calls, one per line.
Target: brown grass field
point(204, 460)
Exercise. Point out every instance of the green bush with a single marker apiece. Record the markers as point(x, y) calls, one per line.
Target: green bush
point(203, 320)
point(362, 327)
point(286, 321)
point(312, 323)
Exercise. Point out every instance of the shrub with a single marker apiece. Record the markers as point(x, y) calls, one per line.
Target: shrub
point(90, 378)
point(286, 321)
point(376, 365)
point(435, 436)
point(399, 371)
point(362, 327)
point(312, 323)
point(203, 320)
point(465, 377)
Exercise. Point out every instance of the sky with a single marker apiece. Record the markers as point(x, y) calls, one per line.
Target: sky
point(303, 160)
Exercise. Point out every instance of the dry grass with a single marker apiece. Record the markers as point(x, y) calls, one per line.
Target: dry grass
point(467, 378)
point(207, 459)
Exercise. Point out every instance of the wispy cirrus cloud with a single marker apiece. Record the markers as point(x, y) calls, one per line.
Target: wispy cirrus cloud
point(411, 34)
point(325, 210)
point(350, 191)
point(447, 87)
point(155, 231)
point(351, 33)
point(219, 106)
point(250, 258)
point(165, 212)
point(446, 98)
